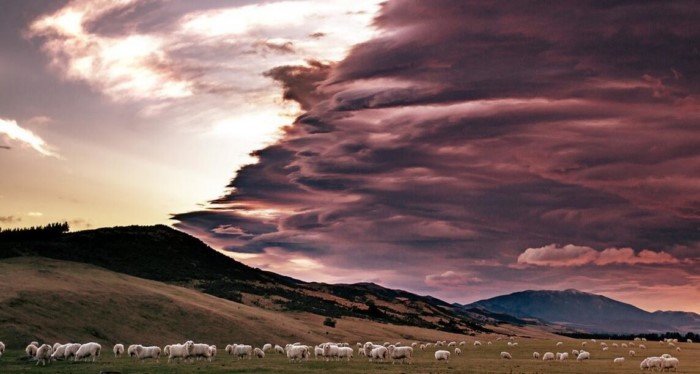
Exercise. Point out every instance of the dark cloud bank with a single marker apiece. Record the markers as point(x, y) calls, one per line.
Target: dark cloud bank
point(467, 132)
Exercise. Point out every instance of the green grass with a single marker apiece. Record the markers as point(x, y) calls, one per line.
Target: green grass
point(484, 359)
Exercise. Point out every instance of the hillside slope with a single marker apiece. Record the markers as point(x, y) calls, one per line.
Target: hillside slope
point(587, 312)
point(164, 254)
point(52, 300)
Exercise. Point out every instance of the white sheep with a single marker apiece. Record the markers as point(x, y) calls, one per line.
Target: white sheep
point(131, 351)
point(213, 350)
point(442, 355)
point(259, 353)
point(489, 342)
point(143, 353)
point(642, 346)
point(405, 354)
point(34, 343)
point(54, 346)
point(346, 352)
point(452, 344)
point(330, 351)
point(583, 356)
point(318, 351)
point(380, 353)
point(59, 352)
point(422, 347)
point(669, 363)
point(615, 345)
point(201, 351)
point(536, 355)
point(548, 356)
point(279, 349)
point(632, 353)
point(477, 343)
point(31, 350)
point(88, 350)
point(619, 360)
point(166, 350)
point(43, 354)
point(559, 344)
point(506, 356)
point(118, 350)
point(678, 349)
point(71, 350)
point(624, 345)
point(564, 356)
point(180, 351)
point(689, 341)
point(458, 351)
point(462, 343)
point(574, 352)
point(583, 344)
point(242, 350)
point(266, 347)
point(2, 348)
point(296, 353)
point(605, 349)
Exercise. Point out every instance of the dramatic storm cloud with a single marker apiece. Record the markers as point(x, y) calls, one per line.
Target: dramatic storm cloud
point(473, 148)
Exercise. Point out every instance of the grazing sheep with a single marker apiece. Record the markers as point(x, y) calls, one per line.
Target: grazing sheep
point(615, 345)
point(619, 360)
point(180, 351)
point(624, 345)
point(386, 344)
point(259, 353)
point(593, 340)
point(379, 353)
point(604, 344)
point(583, 344)
point(442, 355)
point(201, 351)
point(59, 352)
point(536, 355)
point(143, 353)
point(428, 344)
point(318, 351)
point(652, 363)
point(405, 354)
point(462, 343)
point(266, 347)
point(548, 356)
point(279, 349)
point(678, 349)
point(131, 351)
point(296, 353)
point(71, 350)
point(118, 350)
point(631, 344)
point(574, 352)
point(583, 356)
point(54, 346)
point(346, 352)
point(689, 341)
point(605, 349)
point(166, 350)
point(213, 350)
point(34, 343)
point(422, 347)
point(2, 348)
point(88, 350)
point(559, 344)
point(43, 354)
point(458, 351)
point(632, 353)
point(506, 356)
point(242, 350)
point(31, 350)
point(671, 345)
point(452, 344)
point(669, 363)
point(489, 342)
point(642, 346)
point(564, 356)
point(477, 343)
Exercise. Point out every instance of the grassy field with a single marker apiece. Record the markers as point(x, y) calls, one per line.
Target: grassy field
point(484, 359)
point(51, 300)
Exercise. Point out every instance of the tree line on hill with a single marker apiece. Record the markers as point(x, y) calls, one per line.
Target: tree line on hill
point(47, 232)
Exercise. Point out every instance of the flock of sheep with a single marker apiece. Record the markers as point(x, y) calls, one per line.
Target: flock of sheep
point(296, 352)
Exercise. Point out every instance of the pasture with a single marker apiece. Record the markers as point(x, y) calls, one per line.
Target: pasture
point(483, 359)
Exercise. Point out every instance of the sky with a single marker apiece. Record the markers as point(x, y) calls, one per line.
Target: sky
point(453, 148)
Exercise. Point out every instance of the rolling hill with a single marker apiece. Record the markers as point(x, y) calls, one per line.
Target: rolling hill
point(587, 312)
point(164, 254)
point(53, 300)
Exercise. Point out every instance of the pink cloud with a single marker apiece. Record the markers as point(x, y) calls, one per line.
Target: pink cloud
point(573, 255)
point(451, 279)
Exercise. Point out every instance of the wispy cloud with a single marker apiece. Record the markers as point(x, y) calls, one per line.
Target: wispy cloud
point(573, 255)
point(10, 130)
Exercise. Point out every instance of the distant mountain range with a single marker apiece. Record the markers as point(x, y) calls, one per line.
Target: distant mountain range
point(586, 312)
